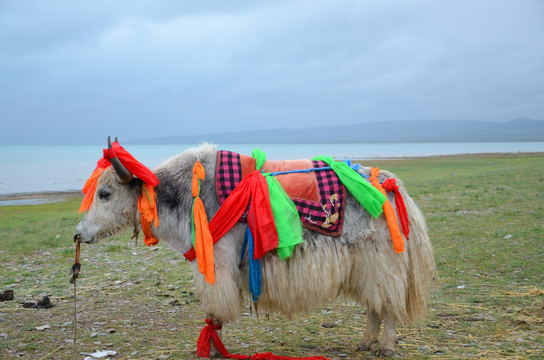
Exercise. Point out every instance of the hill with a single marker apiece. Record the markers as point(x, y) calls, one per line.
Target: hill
point(521, 129)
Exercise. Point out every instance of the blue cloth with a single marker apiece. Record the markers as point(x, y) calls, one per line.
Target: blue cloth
point(255, 275)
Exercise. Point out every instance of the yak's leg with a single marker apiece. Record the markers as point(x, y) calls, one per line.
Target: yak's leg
point(387, 345)
point(214, 353)
point(372, 329)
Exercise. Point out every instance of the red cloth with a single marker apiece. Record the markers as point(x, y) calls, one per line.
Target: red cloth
point(209, 332)
point(134, 166)
point(252, 191)
point(391, 185)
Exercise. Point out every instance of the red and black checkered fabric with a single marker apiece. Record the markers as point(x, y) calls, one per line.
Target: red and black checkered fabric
point(325, 216)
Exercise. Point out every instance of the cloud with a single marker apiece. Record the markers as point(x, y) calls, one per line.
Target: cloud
point(143, 68)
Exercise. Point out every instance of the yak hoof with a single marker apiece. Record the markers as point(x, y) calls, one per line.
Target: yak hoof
point(385, 352)
point(366, 345)
point(362, 347)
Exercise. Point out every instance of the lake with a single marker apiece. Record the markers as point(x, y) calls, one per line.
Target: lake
point(33, 169)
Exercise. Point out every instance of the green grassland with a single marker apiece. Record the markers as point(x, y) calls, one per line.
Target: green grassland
point(485, 217)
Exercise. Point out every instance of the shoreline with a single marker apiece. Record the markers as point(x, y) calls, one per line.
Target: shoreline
point(43, 197)
point(40, 197)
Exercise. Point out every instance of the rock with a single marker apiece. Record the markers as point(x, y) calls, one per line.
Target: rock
point(43, 327)
point(328, 325)
point(7, 295)
point(100, 354)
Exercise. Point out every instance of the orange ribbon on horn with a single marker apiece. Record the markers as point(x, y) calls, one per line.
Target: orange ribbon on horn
point(396, 237)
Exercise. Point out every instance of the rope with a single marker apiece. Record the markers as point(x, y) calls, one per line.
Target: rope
point(298, 171)
point(75, 273)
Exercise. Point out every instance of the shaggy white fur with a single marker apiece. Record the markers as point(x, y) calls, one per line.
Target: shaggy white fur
point(360, 265)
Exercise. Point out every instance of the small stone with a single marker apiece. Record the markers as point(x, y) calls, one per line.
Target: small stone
point(328, 325)
point(43, 327)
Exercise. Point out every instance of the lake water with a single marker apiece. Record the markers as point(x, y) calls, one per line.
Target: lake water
point(33, 169)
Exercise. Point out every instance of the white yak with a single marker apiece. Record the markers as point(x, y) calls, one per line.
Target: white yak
point(360, 265)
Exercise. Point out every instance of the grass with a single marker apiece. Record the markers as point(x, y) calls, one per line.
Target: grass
point(484, 214)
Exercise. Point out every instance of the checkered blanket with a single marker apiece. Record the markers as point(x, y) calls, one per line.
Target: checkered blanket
point(318, 195)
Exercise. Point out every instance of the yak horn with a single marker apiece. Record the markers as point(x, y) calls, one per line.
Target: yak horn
point(125, 175)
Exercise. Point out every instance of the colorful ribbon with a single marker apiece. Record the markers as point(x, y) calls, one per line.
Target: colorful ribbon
point(368, 196)
point(391, 185)
point(201, 237)
point(209, 333)
point(396, 237)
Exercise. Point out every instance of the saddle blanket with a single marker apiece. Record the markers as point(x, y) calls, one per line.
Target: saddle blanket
point(318, 195)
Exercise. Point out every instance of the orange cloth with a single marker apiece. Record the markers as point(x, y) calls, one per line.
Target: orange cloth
point(391, 186)
point(147, 204)
point(203, 241)
point(89, 189)
point(396, 237)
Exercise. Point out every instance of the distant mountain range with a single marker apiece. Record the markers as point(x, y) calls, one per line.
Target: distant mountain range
point(521, 129)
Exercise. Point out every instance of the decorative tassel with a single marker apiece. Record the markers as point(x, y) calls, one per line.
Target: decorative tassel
point(391, 185)
point(389, 212)
point(371, 199)
point(201, 236)
point(255, 275)
point(147, 204)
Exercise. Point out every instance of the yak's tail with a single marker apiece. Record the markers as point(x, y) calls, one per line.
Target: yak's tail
point(422, 269)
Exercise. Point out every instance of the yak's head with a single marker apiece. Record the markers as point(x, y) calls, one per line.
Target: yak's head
point(115, 204)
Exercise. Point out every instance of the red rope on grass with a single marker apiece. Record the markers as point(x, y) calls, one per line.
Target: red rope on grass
point(209, 332)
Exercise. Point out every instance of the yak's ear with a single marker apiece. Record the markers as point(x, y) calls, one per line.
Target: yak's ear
point(135, 184)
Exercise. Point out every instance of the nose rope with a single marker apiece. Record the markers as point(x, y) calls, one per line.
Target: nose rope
point(75, 273)
point(77, 266)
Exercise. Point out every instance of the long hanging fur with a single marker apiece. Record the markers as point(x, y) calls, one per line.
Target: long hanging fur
point(360, 265)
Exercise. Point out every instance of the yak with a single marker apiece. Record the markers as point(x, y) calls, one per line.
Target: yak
point(360, 265)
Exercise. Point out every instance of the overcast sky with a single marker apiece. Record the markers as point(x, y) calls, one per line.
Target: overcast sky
point(77, 71)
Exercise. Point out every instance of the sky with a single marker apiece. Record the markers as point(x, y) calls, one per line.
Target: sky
point(74, 72)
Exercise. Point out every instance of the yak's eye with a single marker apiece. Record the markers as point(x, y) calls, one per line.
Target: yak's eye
point(104, 194)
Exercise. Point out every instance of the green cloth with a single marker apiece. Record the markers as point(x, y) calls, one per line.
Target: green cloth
point(367, 195)
point(286, 217)
point(260, 156)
